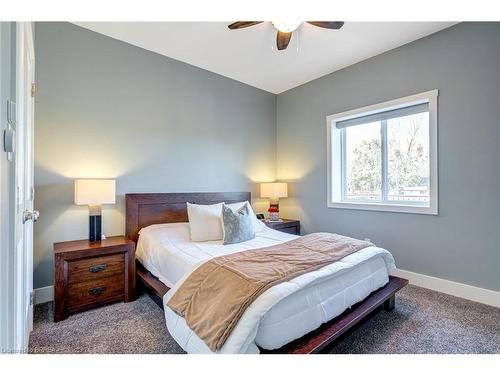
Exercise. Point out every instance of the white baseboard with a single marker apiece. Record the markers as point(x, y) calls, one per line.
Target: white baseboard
point(473, 293)
point(45, 294)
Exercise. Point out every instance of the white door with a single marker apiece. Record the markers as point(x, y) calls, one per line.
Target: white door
point(24, 214)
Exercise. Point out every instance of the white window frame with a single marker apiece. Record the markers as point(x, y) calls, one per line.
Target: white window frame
point(334, 157)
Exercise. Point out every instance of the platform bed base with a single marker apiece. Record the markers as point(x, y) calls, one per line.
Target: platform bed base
point(146, 282)
point(314, 341)
point(327, 333)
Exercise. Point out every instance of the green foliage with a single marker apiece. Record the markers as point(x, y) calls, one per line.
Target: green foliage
point(408, 164)
point(364, 171)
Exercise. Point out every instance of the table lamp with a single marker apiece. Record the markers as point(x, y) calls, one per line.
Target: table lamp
point(94, 193)
point(274, 191)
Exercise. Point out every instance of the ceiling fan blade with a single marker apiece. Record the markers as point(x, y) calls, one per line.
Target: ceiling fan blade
point(243, 24)
point(335, 25)
point(282, 40)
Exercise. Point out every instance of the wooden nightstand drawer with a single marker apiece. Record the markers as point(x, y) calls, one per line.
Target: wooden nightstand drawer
point(285, 225)
point(90, 274)
point(95, 268)
point(94, 292)
point(291, 230)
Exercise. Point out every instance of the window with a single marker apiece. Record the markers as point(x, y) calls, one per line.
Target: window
point(384, 157)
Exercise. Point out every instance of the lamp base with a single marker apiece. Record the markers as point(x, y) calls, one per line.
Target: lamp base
point(95, 228)
point(95, 220)
point(274, 209)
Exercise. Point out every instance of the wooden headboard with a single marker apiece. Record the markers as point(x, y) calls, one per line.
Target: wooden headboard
point(155, 208)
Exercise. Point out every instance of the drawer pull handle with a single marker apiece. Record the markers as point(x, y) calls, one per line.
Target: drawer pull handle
point(98, 268)
point(97, 291)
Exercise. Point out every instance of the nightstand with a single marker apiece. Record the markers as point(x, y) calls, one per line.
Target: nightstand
point(91, 274)
point(287, 226)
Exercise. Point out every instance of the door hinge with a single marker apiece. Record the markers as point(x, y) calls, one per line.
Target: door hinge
point(32, 298)
point(33, 90)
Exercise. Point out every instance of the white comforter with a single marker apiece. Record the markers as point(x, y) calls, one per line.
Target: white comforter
point(242, 339)
point(167, 251)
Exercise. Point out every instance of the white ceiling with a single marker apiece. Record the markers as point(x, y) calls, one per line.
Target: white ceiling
point(250, 56)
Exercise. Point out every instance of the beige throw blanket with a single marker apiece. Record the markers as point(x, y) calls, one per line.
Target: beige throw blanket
point(216, 294)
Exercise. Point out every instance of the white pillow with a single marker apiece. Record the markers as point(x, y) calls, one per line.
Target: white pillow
point(205, 221)
point(257, 224)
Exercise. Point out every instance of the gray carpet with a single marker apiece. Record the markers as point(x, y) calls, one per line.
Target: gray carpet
point(423, 321)
point(134, 327)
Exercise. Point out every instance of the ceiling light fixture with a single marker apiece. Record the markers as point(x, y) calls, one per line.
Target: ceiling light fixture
point(286, 26)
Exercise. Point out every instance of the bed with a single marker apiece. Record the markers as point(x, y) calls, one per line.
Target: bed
point(304, 321)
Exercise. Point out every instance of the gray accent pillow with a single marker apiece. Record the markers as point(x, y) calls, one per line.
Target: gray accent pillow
point(237, 226)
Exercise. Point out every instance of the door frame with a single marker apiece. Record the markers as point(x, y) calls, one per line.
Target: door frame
point(23, 284)
point(25, 97)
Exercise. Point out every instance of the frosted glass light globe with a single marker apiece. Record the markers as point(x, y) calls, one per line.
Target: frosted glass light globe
point(286, 26)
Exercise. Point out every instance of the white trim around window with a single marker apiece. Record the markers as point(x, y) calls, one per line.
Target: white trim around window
point(335, 156)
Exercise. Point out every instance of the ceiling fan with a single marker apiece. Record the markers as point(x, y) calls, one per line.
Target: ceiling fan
point(285, 29)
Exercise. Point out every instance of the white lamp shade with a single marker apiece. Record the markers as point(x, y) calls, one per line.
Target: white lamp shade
point(95, 192)
point(274, 190)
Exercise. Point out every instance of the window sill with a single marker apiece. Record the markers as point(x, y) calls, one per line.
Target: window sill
point(424, 210)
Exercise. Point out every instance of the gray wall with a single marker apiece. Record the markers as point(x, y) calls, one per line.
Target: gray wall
point(7, 201)
point(107, 109)
point(462, 243)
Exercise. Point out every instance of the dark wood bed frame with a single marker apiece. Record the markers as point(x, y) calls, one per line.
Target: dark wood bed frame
point(155, 208)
